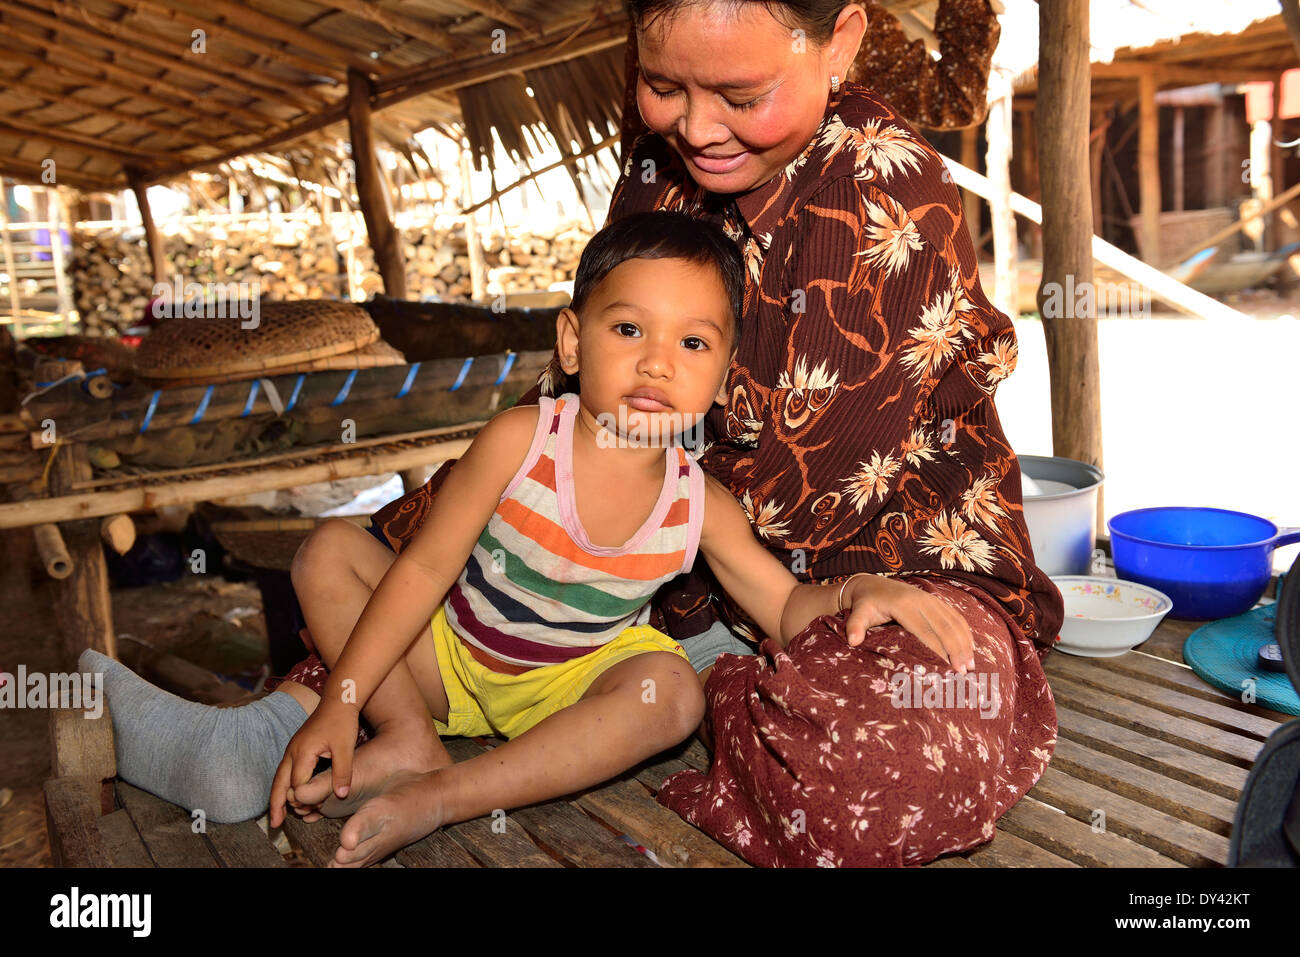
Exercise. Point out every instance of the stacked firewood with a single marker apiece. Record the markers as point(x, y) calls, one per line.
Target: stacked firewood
point(113, 278)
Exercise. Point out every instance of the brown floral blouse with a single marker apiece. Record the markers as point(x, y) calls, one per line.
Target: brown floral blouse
point(860, 433)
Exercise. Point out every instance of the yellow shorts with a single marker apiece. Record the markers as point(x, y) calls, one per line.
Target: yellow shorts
point(482, 701)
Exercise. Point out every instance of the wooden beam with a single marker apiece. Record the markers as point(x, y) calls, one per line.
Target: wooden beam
point(31, 172)
point(227, 32)
point(334, 114)
point(109, 502)
point(370, 192)
point(1275, 203)
point(527, 54)
point(151, 237)
point(399, 24)
point(1149, 168)
point(49, 94)
point(497, 11)
point(1072, 354)
point(102, 32)
point(89, 145)
point(249, 18)
point(131, 82)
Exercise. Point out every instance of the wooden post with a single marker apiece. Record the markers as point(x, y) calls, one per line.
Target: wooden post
point(477, 261)
point(1006, 287)
point(971, 202)
point(1261, 169)
point(1278, 166)
point(370, 189)
point(1027, 155)
point(82, 608)
point(1177, 157)
point(1149, 166)
point(11, 262)
point(1064, 82)
point(56, 218)
point(151, 237)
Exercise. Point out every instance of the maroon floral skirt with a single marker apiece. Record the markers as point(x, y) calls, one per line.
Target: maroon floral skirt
point(836, 756)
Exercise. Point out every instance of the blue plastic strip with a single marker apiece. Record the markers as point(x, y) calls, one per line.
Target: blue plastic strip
point(410, 380)
point(252, 397)
point(148, 413)
point(464, 371)
point(347, 387)
point(505, 369)
point(297, 387)
point(203, 406)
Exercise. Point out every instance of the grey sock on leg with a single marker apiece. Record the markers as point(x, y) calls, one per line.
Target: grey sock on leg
point(218, 760)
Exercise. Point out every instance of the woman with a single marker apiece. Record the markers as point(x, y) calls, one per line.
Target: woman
point(861, 436)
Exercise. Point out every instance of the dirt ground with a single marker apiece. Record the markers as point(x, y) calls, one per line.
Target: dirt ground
point(167, 616)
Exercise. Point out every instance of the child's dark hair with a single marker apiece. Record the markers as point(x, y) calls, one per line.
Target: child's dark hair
point(662, 235)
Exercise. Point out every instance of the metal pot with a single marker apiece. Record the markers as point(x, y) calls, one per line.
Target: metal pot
point(1062, 521)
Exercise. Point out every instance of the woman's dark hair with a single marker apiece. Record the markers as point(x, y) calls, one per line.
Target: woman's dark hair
point(661, 235)
point(816, 18)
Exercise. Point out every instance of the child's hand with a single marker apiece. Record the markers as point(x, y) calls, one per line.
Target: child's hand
point(330, 732)
point(871, 600)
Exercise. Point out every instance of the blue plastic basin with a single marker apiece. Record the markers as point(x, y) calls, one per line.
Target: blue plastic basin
point(1213, 563)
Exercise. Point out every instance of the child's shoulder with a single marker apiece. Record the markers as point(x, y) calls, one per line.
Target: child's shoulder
point(513, 425)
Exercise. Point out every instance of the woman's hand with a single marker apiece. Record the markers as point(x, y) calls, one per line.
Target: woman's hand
point(871, 600)
point(330, 732)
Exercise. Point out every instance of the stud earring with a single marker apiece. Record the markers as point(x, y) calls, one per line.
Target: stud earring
point(835, 83)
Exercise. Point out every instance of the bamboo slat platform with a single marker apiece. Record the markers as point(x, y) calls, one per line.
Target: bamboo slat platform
point(1142, 740)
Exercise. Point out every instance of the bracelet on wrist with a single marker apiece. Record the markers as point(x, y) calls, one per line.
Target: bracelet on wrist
point(840, 602)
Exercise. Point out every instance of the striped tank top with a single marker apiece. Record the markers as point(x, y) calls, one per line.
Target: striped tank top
point(535, 590)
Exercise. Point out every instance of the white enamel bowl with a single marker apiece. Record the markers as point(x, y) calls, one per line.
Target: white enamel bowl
point(1105, 617)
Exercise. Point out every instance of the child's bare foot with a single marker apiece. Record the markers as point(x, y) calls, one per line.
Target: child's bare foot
point(392, 750)
point(410, 808)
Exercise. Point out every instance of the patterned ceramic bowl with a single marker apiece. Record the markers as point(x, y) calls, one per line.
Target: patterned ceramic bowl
point(1105, 617)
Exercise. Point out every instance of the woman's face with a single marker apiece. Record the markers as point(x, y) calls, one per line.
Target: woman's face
point(737, 93)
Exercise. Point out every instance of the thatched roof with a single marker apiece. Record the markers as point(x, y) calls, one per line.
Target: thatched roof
point(148, 90)
point(1185, 44)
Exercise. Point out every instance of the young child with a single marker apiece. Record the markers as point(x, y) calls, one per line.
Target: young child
point(542, 549)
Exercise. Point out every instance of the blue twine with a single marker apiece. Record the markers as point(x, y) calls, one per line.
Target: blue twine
point(347, 387)
point(410, 380)
point(203, 406)
point(252, 397)
point(464, 370)
point(148, 413)
point(297, 387)
point(505, 370)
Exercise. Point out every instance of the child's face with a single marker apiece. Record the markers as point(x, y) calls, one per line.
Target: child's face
point(653, 345)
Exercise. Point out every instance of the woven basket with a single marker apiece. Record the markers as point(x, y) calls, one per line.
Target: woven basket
point(287, 333)
point(378, 353)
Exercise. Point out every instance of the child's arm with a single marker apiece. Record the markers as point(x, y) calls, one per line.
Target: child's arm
point(407, 597)
point(782, 607)
point(746, 570)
